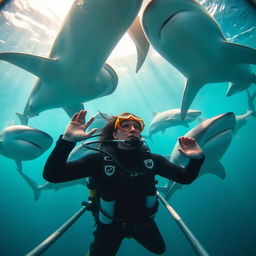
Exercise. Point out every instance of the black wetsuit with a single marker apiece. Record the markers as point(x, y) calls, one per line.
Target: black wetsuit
point(129, 193)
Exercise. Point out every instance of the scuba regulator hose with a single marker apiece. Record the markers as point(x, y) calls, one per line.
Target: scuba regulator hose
point(134, 142)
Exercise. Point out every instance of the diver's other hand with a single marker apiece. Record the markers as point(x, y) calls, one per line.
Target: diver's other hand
point(76, 129)
point(190, 148)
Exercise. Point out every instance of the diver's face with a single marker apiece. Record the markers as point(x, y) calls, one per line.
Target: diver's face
point(126, 131)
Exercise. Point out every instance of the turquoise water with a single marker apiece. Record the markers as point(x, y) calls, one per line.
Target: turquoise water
point(221, 213)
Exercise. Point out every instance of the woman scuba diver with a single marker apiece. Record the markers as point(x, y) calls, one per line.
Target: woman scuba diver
point(123, 174)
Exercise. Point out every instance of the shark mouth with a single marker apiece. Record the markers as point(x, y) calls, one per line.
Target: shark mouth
point(223, 132)
point(34, 145)
point(169, 19)
point(228, 124)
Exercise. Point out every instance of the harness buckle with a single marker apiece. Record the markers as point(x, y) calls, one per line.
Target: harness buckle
point(108, 158)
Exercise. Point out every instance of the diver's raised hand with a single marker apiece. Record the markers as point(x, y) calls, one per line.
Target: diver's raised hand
point(190, 148)
point(76, 129)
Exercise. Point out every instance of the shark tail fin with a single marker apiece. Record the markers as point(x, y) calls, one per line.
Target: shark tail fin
point(142, 45)
point(37, 191)
point(23, 119)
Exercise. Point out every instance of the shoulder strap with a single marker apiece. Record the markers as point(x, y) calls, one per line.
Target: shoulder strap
point(110, 159)
point(147, 158)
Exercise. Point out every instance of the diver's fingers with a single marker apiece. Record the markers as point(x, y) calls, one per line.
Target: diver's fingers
point(91, 132)
point(186, 141)
point(87, 124)
point(81, 116)
point(74, 117)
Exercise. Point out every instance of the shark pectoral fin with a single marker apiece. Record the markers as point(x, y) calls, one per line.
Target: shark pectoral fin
point(191, 89)
point(23, 119)
point(19, 165)
point(32, 63)
point(241, 53)
point(218, 170)
point(71, 110)
point(141, 42)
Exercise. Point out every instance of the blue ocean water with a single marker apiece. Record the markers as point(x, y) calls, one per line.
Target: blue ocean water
point(221, 213)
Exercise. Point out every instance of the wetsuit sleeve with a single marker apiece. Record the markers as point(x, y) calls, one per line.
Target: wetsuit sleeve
point(57, 169)
point(171, 171)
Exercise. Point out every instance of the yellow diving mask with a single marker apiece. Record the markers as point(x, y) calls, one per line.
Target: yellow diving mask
point(126, 127)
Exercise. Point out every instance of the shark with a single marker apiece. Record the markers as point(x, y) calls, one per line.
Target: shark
point(169, 118)
point(214, 136)
point(100, 119)
point(23, 143)
point(76, 70)
point(191, 40)
point(241, 120)
point(37, 189)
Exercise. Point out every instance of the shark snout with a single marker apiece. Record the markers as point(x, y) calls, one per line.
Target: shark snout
point(37, 139)
point(24, 143)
